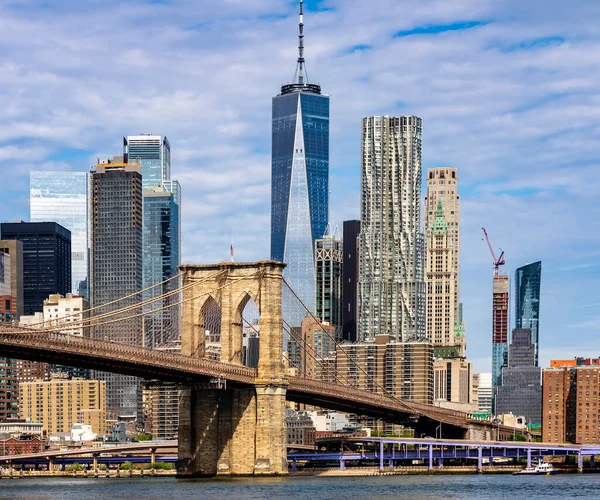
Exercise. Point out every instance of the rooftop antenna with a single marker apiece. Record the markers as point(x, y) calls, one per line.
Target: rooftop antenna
point(300, 69)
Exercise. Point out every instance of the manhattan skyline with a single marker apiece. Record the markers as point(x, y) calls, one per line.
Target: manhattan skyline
point(506, 93)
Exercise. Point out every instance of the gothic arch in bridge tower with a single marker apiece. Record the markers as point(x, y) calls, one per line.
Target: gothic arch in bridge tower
point(208, 343)
point(248, 319)
point(230, 286)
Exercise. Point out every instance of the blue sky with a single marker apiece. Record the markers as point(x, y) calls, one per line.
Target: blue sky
point(508, 91)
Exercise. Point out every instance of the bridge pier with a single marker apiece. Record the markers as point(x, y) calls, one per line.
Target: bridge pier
point(430, 456)
point(239, 430)
point(477, 432)
point(232, 432)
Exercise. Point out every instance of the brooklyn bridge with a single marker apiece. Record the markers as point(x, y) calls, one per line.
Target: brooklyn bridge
point(231, 416)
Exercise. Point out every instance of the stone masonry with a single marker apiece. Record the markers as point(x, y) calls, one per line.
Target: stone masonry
point(234, 430)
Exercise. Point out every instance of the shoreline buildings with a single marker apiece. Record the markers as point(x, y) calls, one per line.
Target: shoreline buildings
point(59, 403)
point(569, 414)
point(391, 286)
point(299, 182)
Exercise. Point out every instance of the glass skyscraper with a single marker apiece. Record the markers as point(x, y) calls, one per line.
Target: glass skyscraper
point(62, 197)
point(153, 153)
point(160, 260)
point(528, 281)
point(299, 183)
point(521, 389)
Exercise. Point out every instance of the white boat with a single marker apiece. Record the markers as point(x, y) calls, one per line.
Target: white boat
point(541, 469)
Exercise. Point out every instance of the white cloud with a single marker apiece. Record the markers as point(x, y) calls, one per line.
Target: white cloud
point(520, 120)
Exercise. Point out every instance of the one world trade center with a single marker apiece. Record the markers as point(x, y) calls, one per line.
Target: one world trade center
point(299, 183)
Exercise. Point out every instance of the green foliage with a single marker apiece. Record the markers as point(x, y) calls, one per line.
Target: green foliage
point(74, 467)
point(162, 466)
point(102, 467)
point(517, 437)
point(126, 465)
point(144, 436)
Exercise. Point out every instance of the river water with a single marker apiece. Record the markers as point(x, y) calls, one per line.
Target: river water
point(564, 487)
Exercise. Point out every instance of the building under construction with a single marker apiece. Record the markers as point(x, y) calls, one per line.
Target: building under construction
point(499, 325)
point(499, 317)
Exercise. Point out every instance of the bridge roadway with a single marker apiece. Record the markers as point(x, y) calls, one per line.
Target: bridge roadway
point(114, 357)
point(392, 450)
point(388, 451)
point(146, 446)
point(77, 454)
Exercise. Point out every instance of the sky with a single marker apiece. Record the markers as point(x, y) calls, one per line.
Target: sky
point(508, 91)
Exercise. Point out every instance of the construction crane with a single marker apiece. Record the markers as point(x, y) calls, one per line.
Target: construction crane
point(497, 261)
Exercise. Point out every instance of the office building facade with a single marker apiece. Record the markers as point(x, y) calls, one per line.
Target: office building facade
point(350, 279)
point(153, 153)
point(328, 289)
point(161, 403)
point(160, 260)
point(499, 326)
point(9, 382)
point(13, 274)
point(116, 268)
point(317, 350)
point(46, 260)
point(454, 386)
point(60, 403)
point(69, 312)
point(63, 197)
point(400, 369)
point(161, 232)
point(528, 281)
point(444, 325)
point(520, 391)
point(299, 183)
point(391, 288)
point(484, 392)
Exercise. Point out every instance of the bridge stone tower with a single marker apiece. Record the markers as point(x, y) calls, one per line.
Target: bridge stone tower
point(234, 430)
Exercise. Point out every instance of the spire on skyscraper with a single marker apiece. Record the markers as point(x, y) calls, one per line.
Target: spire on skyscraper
point(300, 69)
point(300, 81)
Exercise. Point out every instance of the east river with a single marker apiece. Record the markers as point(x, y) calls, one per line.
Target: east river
point(564, 487)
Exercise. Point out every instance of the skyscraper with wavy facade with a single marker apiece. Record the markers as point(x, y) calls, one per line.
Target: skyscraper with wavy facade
point(391, 287)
